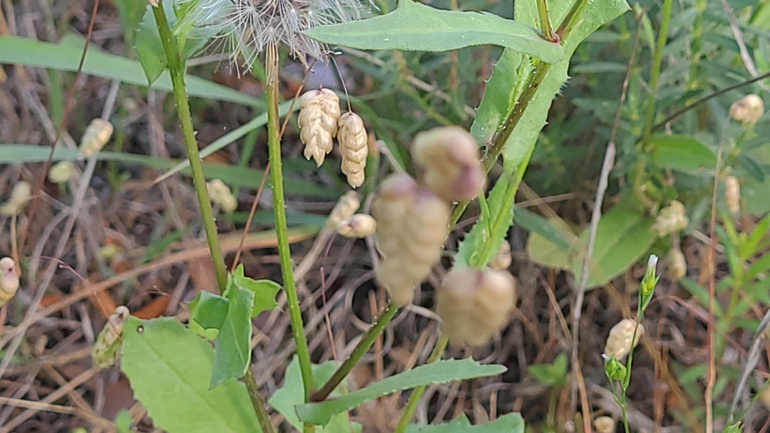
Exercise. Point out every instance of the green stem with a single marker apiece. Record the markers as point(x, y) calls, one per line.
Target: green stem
point(177, 71)
point(363, 346)
point(279, 211)
point(258, 402)
point(655, 73)
point(411, 405)
point(545, 21)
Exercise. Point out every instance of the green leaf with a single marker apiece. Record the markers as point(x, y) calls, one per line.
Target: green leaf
point(544, 250)
point(536, 224)
point(551, 374)
point(130, 12)
point(264, 291)
point(429, 374)
point(527, 130)
point(682, 153)
point(501, 90)
point(209, 310)
point(149, 48)
point(65, 57)
point(417, 27)
point(509, 423)
point(169, 369)
point(292, 393)
point(123, 422)
point(482, 242)
point(233, 344)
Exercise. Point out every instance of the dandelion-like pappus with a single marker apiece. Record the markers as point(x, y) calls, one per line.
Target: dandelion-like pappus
point(249, 27)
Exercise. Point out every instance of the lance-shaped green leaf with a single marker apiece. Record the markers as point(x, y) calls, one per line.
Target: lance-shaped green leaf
point(233, 343)
point(264, 291)
point(169, 369)
point(148, 47)
point(429, 374)
point(509, 423)
point(417, 27)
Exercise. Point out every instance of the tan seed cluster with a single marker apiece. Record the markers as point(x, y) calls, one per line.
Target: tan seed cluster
point(604, 424)
point(9, 280)
point(411, 229)
point(346, 206)
point(318, 117)
point(733, 194)
point(61, 172)
point(20, 195)
point(671, 219)
point(96, 135)
point(747, 110)
point(474, 304)
point(357, 226)
point(220, 194)
point(677, 264)
point(618, 343)
point(449, 157)
point(354, 147)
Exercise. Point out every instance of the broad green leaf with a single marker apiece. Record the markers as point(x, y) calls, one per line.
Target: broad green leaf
point(236, 177)
point(482, 242)
point(542, 250)
point(417, 27)
point(756, 195)
point(551, 374)
point(148, 47)
point(264, 291)
point(65, 57)
point(509, 423)
point(683, 153)
point(536, 224)
point(169, 369)
point(500, 93)
point(130, 12)
point(292, 393)
point(209, 310)
point(429, 374)
point(527, 130)
point(624, 235)
point(123, 422)
point(233, 343)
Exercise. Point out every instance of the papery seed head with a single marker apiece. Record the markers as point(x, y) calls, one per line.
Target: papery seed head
point(733, 194)
point(357, 226)
point(677, 264)
point(220, 194)
point(449, 157)
point(346, 206)
point(9, 280)
point(747, 110)
point(618, 343)
point(353, 141)
point(96, 135)
point(604, 424)
point(61, 172)
point(317, 120)
point(671, 219)
point(474, 304)
point(21, 194)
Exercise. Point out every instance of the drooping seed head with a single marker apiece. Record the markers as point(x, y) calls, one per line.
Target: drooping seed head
point(604, 424)
point(318, 117)
point(357, 226)
point(21, 194)
point(733, 194)
point(96, 135)
point(220, 194)
point(747, 110)
point(677, 264)
point(353, 141)
point(346, 206)
point(671, 219)
point(619, 343)
point(61, 172)
point(9, 280)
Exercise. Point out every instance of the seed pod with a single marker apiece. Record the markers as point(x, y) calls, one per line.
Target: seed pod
point(354, 147)
point(20, 195)
point(671, 219)
point(412, 225)
point(107, 346)
point(604, 424)
point(346, 206)
point(619, 341)
point(221, 195)
point(9, 280)
point(357, 226)
point(474, 304)
point(96, 135)
point(449, 158)
point(503, 258)
point(61, 172)
point(318, 117)
point(733, 194)
point(677, 265)
point(747, 110)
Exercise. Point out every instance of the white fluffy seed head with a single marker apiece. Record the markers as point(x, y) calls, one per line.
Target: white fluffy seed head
point(677, 264)
point(318, 116)
point(354, 148)
point(21, 194)
point(747, 110)
point(246, 28)
point(412, 225)
point(357, 226)
point(619, 343)
point(733, 194)
point(9, 280)
point(450, 161)
point(96, 135)
point(671, 219)
point(474, 304)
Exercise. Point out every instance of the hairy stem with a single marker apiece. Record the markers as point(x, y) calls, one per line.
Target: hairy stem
point(177, 70)
point(279, 211)
point(258, 402)
point(361, 349)
point(545, 21)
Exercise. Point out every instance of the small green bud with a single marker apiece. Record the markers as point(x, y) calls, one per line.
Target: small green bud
point(107, 346)
point(733, 428)
point(649, 282)
point(614, 369)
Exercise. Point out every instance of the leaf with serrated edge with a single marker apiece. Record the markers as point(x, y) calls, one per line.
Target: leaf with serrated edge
point(509, 423)
point(233, 343)
point(489, 231)
point(264, 291)
point(429, 374)
point(169, 368)
point(417, 27)
point(499, 96)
